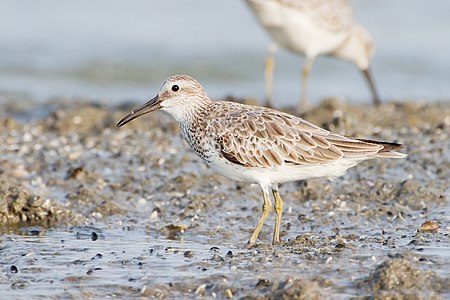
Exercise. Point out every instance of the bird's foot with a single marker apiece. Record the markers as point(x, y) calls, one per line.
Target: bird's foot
point(251, 245)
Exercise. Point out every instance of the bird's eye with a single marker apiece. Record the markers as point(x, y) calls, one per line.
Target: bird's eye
point(175, 88)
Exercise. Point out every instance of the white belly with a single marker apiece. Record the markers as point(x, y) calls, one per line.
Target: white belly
point(286, 173)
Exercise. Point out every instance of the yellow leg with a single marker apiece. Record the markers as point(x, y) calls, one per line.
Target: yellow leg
point(309, 61)
point(269, 68)
point(265, 212)
point(278, 211)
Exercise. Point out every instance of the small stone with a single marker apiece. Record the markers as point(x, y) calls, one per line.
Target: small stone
point(94, 236)
point(228, 294)
point(154, 215)
point(201, 290)
point(74, 155)
point(35, 232)
point(229, 254)
point(217, 258)
point(429, 226)
point(188, 254)
point(20, 172)
point(13, 269)
point(175, 228)
point(97, 256)
point(263, 282)
point(339, 246)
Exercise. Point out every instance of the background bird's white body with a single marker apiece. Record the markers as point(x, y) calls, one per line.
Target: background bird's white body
point(297, 30)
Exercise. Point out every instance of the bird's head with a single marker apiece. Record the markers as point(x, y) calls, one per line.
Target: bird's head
point(179, 96)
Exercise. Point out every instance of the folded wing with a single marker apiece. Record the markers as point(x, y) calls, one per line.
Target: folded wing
point(260, 137)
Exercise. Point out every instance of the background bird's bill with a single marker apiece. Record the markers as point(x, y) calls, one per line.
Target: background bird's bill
point(148, 107)
point(368, 75)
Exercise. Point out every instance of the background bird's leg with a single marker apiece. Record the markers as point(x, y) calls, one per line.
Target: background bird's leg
point(265, 212)
point(268, 72)
point(307, 66)
point(278, 211)
point(368, 75)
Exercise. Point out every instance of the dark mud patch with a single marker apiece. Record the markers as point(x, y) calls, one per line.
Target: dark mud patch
point(400, 278)
point(18, 208)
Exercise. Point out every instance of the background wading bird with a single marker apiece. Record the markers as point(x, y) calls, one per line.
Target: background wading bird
point(313, 28)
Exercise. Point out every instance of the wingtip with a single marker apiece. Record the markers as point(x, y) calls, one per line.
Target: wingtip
point(391, 154)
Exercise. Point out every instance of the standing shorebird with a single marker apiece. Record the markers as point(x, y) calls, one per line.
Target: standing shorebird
point(257, 144)
point(313, 28)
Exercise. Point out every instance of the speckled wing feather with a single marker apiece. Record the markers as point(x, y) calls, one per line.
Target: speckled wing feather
point(260, 137)
point(335, 15)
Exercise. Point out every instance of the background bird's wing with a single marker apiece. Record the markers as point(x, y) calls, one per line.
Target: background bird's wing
point(336, 15)
point(260, 137)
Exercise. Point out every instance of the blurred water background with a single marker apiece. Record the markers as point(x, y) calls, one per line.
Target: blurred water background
point(113, 51)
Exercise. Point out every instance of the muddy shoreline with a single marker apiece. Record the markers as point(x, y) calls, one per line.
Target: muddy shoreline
point(92, 211)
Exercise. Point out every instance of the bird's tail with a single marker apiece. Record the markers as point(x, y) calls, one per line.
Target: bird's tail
point(388, 150)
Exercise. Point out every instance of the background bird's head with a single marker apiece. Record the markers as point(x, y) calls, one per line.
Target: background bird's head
point(358, 48)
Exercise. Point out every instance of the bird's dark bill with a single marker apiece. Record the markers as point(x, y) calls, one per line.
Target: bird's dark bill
point(146, 108)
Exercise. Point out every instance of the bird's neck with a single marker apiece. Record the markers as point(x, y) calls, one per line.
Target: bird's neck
point(188, 111)
point(195, 111)
point(193, 123)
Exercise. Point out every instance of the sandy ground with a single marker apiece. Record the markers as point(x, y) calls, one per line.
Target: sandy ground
point(92, 211)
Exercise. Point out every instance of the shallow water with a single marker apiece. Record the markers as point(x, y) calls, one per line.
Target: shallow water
point(127, 261)
point(68, 263)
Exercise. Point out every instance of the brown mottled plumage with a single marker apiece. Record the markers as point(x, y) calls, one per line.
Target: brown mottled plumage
point(261, 137)
point(257, 144)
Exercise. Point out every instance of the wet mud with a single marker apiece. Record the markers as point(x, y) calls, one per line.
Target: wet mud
point(88, 210)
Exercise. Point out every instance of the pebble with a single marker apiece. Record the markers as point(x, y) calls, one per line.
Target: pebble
point(201, 290)
point(97, 256)
point(262, 282)
point(228, 294)
point(217, 258)
point(154, 215)
point(13, 269)
point(74, 155)
point(35, 232)
point(188, 254)
point(429, 226)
